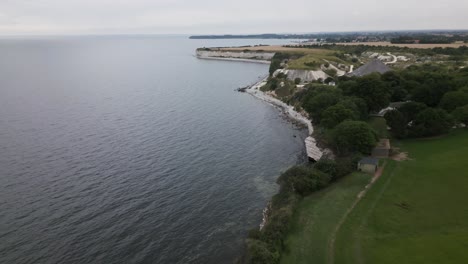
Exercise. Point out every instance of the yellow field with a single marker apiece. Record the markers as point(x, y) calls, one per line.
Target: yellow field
point(277, 48)
point(415, 46)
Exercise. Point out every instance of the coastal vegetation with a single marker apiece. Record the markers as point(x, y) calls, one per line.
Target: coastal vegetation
point(419, 101)
point(414, 213)
point(268, 244)
point(316, 218)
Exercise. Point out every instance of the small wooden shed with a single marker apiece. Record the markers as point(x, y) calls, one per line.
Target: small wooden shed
point(368, 165)
point(382, 150)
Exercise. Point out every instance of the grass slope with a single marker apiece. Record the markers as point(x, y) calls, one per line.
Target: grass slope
point(314, 59)
point(317, 216)
point(417, 212)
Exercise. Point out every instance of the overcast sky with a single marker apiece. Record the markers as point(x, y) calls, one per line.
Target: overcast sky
point(219, 17)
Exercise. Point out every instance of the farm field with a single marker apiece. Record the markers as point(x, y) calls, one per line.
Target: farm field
point(316, 218)
point(416, 212)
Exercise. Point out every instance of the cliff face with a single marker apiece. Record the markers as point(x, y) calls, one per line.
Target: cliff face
point(304, 75)
point(204, 54)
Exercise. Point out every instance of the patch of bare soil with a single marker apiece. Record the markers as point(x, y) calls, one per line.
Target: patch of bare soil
point(399, 156)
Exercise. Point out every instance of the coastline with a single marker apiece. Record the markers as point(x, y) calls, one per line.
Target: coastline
point(310, 144)
point(255, 91)
point(233, 59)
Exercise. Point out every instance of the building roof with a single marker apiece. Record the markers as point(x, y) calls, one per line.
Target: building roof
point(371, 67)
point(380, 152)
point(369, 160)
point(384, 143)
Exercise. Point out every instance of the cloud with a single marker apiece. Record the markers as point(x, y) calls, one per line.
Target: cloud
point(217, 17)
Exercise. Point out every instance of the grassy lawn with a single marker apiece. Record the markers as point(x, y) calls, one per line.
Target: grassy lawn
point(316, 218)
point(417, 212)
point(313, 60)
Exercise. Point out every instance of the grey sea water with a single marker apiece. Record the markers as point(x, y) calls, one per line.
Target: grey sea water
point(128, 149)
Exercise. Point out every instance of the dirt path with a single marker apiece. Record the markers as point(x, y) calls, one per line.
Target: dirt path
point(331, 242)
point(394, 58)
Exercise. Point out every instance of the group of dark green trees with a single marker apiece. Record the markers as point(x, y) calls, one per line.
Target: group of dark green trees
point(438, 100)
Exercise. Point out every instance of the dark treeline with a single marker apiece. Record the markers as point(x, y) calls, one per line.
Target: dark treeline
point(359, 49)
point(435, 36)
point(430, 39)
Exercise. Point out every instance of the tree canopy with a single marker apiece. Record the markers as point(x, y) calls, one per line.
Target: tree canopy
point(354, 136)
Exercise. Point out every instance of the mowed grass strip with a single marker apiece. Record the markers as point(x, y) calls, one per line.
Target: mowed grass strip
point(316, 218)
point(417, 212)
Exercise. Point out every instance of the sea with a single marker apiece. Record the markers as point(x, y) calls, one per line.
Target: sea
point(129, 149)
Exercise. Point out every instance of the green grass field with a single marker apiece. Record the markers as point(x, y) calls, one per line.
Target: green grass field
point(417, 212)
point(317, 217)
point(314, 59)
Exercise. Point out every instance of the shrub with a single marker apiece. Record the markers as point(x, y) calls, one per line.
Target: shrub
point(258, 252)
point(345, 166)
point(327, 166)
point(303, 180)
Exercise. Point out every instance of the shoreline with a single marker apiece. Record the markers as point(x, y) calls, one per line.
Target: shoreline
point(233, 59)
point(255, 91)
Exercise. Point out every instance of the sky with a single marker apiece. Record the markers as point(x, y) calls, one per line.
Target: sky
point(70, 17)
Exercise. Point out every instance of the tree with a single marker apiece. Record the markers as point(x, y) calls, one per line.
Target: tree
point(432, 88)
point(358, 105)
point(411, 109)
point(372, 89)
point(461, 114)
point(317, 104)
point(431, 122)
point(452, 100)
point(354, 136)
point(336, 114)
point(347, 86)
point(397, 122)
point(398, 94)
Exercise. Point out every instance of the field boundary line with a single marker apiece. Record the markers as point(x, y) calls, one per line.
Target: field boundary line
point(361, 194)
